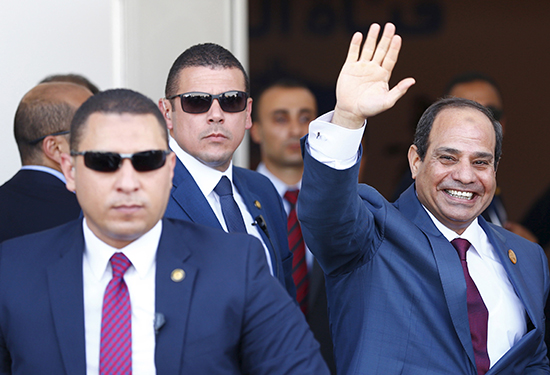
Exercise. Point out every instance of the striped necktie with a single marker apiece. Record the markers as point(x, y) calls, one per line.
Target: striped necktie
point(298, 249)
point(115, 355)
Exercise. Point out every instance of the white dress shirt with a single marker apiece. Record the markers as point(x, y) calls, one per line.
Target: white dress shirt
point(282, 188)
point(338, 148)
point(207, 178)
point(140, 279)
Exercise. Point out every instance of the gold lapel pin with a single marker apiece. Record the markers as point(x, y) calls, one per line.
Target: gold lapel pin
point(177, 275)
point(512, 256)
point(258, 205)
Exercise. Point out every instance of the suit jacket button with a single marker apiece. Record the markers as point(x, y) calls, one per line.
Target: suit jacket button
point(177, 275)
point(258, 205)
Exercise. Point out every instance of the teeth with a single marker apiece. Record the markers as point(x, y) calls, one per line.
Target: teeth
point(460, 194)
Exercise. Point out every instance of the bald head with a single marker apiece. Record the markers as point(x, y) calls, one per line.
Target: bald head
point(46, 109)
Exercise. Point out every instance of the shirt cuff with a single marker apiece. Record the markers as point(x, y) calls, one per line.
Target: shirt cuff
point(334, 145)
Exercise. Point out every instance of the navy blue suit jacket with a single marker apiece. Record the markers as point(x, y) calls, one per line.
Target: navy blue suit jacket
point(227, 316)
point(395, 285)
point(188, 203)
point(32, 201)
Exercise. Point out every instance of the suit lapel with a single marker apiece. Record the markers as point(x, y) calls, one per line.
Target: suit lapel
point(67, 300)
point(172, 297)
point(253, 203)
point(189, 197)
point(514, 275)
point(448, 265)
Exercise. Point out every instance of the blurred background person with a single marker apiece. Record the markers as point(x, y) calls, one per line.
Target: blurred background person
point(36, 198)
point(281, 116)
point(74, 78)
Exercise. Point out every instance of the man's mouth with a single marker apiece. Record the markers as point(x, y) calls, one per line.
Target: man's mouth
point(468, 195)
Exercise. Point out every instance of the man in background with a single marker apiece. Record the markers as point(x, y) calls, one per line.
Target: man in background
point(35, 198)
point(207, 108)
point(74, 78)
point(281, 117)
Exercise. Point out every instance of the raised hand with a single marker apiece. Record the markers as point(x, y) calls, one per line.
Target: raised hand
point(362, 89)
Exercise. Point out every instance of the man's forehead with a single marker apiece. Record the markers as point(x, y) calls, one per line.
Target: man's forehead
point(460, 121)
point(204, 77)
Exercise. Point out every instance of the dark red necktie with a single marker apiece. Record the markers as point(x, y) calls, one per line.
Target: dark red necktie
point(115, 355)
point(298, 249)
point(478, 315)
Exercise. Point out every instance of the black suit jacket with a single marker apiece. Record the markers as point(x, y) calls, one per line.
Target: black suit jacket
point(32, 201)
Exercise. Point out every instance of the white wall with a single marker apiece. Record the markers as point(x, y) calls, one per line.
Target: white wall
point(115, 43)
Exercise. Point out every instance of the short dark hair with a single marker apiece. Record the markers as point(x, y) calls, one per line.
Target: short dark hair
point(425, 124)
point(208, 55)
point(35, 119)
point(73, 78)
point(287, 82)
point(115, 101)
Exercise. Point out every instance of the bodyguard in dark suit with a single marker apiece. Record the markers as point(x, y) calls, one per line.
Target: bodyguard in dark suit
point(207, 109)
point(123, 290)
point(36, 198)
point(424, 285)
point(281, 117)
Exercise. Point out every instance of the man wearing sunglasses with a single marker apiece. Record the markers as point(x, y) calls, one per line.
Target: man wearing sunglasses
point(35, 198)
point(207, 109)
point(123, 291)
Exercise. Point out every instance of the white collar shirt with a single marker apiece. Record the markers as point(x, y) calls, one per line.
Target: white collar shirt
point(507, 319)
point(207, 178)
point(140, 279)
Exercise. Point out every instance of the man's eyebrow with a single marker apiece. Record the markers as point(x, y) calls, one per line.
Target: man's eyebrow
point(454, 151)
point(280, 112)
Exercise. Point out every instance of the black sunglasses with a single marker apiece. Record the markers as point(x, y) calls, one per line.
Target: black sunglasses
point(200, 102)
point(35, 141)
point(111, 161)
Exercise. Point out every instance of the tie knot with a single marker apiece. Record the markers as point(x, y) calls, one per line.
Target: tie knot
point(461, 245)
point(120, 264)
point(223, 187)
point(292, 196)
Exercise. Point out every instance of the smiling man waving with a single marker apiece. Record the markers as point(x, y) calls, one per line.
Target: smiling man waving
point(424, 285)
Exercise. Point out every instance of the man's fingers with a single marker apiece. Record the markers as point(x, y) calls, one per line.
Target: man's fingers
point(384, 44)
point(354, 48)
point(399, 90)
point(370, 42)
point(393, 53)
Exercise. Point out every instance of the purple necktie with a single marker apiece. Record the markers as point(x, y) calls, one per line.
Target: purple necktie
point(478, 315)
point(115, 355)
point(298, 249)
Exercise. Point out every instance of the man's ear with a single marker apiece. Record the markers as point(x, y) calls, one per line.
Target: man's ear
point(249, 114)
point(69, 171)
point(52, 147)
point(165, 106)
point(414, 160)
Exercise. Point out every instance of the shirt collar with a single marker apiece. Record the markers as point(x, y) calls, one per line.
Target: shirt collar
point(281, 187)
point(49, 170)
point(141, 252)
point(206, 177)
point(473, 233)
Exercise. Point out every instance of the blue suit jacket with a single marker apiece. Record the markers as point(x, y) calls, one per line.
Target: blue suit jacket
point(227, 316)
point(395, 285)
point(188, 203)
point(32, 201)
